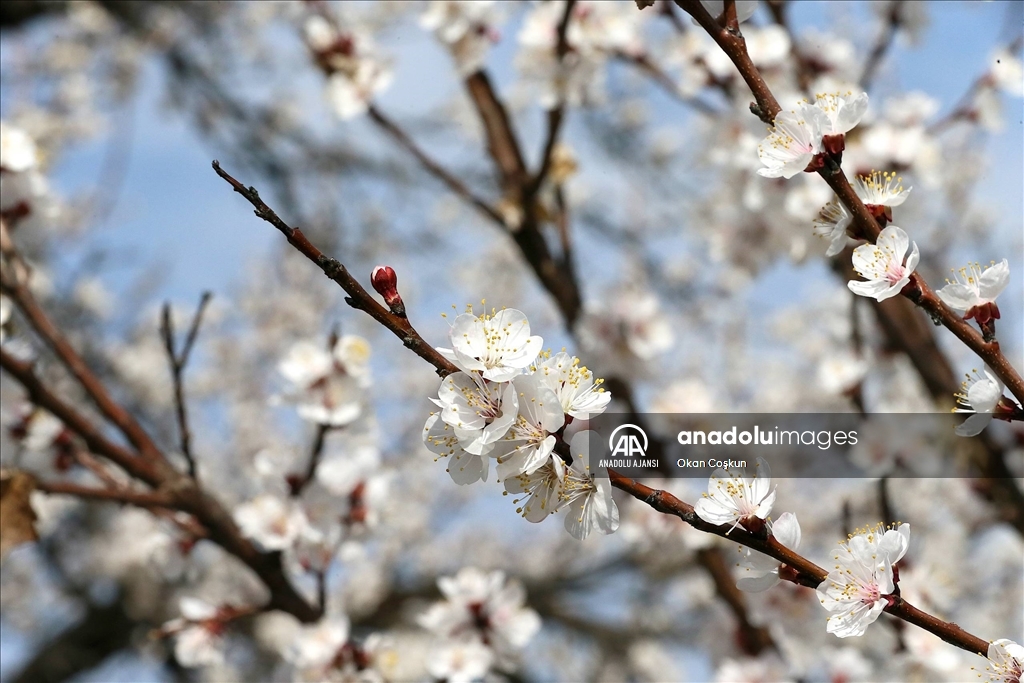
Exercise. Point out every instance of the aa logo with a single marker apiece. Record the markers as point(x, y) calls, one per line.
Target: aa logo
point(628, 441)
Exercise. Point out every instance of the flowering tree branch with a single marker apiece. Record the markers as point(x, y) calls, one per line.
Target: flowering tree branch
point(177, 361)
point(863, 223)
point(798, 569)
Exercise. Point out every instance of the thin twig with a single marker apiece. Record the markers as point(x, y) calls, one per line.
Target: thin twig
point(16, 287)
point(884, 42)
point(663, 80)
point(147, 499)
point(357, 297)
point(315, 453)
point(178, 361)
point(556, 115)
point(435, 168)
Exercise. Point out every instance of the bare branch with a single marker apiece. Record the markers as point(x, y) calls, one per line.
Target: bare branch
point(178, 361)
point(435, 169)
point(16, 287)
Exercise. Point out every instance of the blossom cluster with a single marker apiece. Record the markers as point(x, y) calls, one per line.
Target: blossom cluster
point(481, 624)
point(512, 403)
point(803, 139)
point(864, 577)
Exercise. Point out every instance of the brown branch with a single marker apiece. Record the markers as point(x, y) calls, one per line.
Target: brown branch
point(556, 115)
point(884, 42)
point(178, 361)
point(146, 499)
point(40, 395)
point(863, 222)
point(357, 297)
point(735, 47)
point(807, 573)
point(753, 639)
point(662, 79)
point(502, 142)
point(435, 169)
point(299, 482)
point(14, 283)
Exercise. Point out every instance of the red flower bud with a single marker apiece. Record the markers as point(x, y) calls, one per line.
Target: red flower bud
point(385, 281)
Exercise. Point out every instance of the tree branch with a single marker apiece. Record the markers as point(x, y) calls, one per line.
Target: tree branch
point(918, 290)
point(357, 297)
point(177, 362)
point(807, 573)
point(14, 283)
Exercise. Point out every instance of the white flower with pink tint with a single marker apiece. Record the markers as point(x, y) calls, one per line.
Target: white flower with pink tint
point(974, 290)
point(587, 493)
point(862, 582)
point(979, 396)
point(199, 634)
point(1006, 659)
point(759, 571)
point(734, 498)
point(882, 265)
point(792, 143)
point(273, 523)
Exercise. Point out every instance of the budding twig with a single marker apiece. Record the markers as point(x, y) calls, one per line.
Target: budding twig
point(357, 296)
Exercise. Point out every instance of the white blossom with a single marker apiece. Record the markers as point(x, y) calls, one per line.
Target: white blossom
point(6, 310)
point(831, 224)
point(734, 498)
point(543, 489)
point(316, 645)
point(587, 493)
point(881, 265)
point(1006, 662)
point(271, 522)
point(355, 73)
point(579, 393)
point(974, 290)
point(466, 27)
point(1007, 72)
point(881, 189)
point(760, 571)
point(461, 662)
point(17, 150)
point(792, 142)
point(199, 634)
point(480, 411)
point(483, 607)
point(464, 467)
point(530, 441)
point(855, 591)
point(842, 111)
point(327, 386)
point(496, 344)
point(979, 396)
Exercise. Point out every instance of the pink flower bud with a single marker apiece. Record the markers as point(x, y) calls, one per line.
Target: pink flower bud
point(385, 281)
